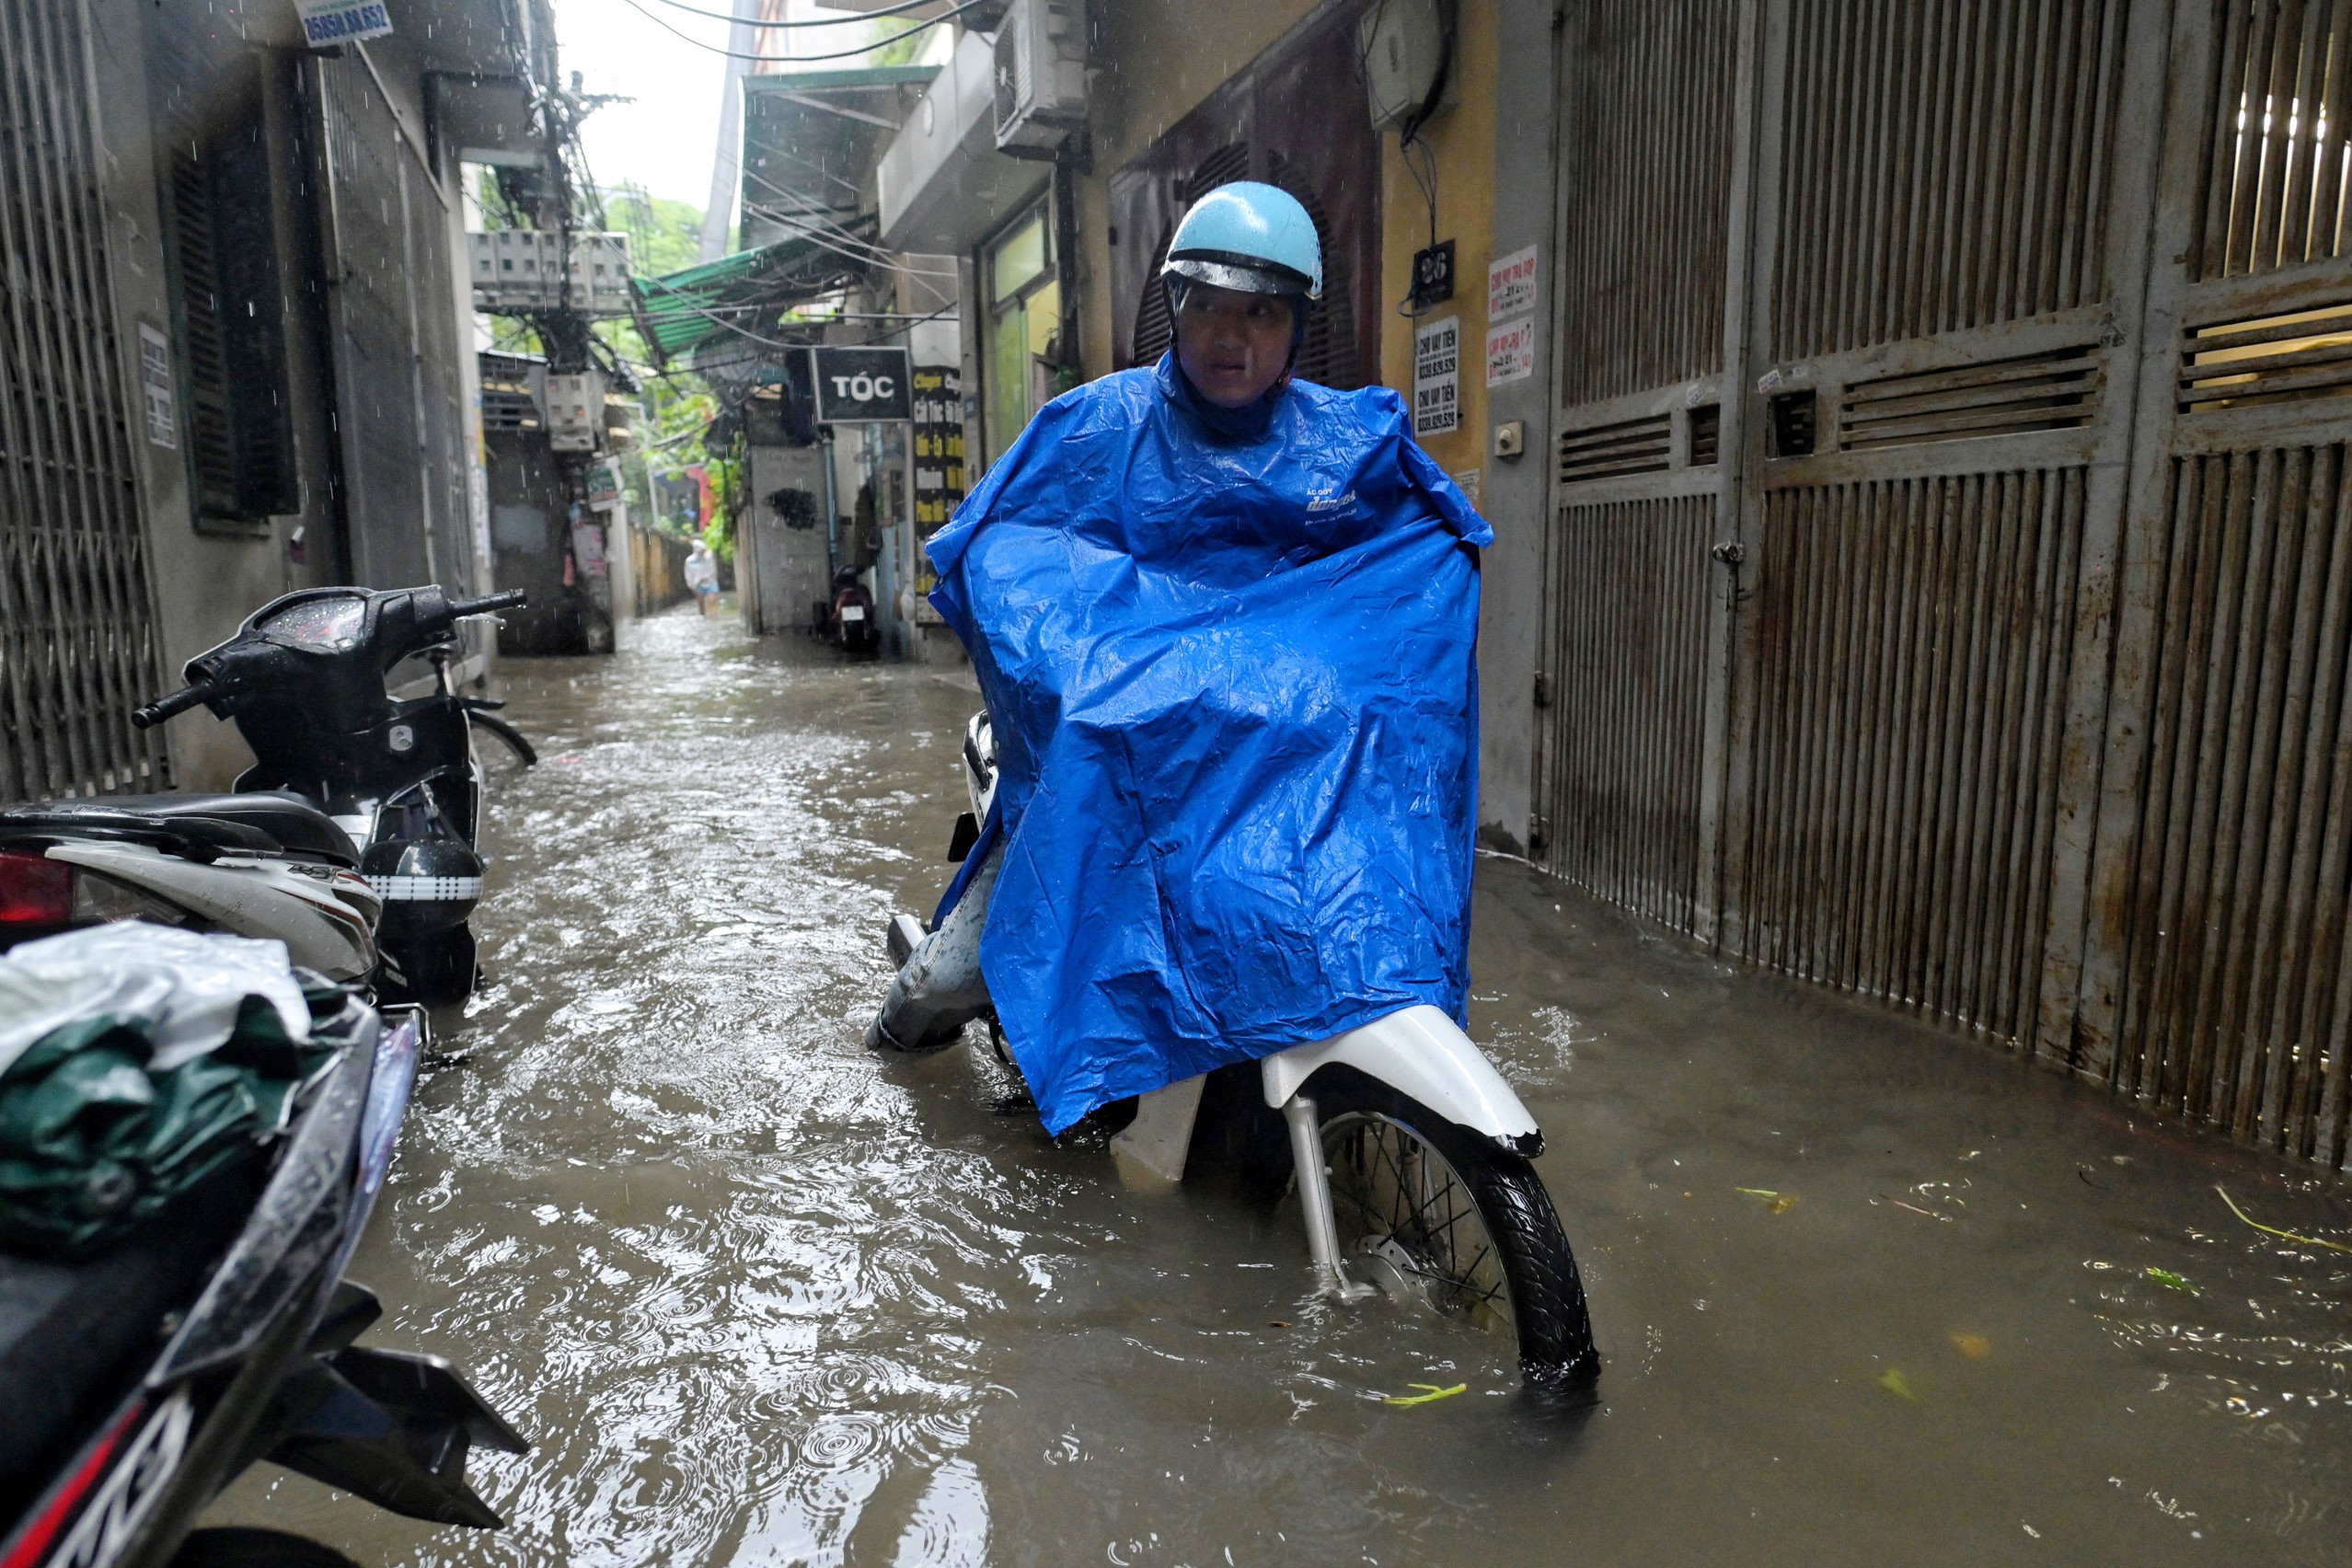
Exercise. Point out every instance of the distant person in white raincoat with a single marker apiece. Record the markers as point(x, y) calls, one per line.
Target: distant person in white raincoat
point(702, 576)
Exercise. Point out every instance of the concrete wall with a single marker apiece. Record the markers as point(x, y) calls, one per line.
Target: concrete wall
point(1515, 497)
point(204, 581)
point(781, 572)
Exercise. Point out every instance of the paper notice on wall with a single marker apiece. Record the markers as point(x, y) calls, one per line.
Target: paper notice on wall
point(326, 23)
point(1510, 351)
point(155, 384)
point(1438, 377)
point(1511, 284)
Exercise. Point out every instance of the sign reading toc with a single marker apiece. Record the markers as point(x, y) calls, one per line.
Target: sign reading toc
point(864, 385)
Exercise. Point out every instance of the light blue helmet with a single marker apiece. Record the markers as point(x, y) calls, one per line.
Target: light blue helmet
point(1251, 237)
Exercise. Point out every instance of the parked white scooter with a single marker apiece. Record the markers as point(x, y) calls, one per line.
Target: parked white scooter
point(1409, 1154)
point(266, 863)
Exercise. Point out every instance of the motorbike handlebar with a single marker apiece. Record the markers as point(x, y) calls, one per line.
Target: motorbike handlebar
point(179, 702)
point(512, 599)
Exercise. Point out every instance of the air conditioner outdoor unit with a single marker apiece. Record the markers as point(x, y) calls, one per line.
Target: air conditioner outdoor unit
point(1041, 76)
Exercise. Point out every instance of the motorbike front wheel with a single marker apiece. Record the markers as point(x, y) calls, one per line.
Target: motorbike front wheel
point(1434, 1213)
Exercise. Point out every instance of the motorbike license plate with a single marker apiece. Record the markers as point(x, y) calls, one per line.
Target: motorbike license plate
point(853, 612)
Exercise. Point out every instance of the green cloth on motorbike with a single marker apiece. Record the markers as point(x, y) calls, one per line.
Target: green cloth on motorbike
point(95, 1139)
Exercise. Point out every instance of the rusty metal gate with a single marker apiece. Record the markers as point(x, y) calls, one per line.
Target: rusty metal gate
point(2019, 690)
point(1626, 751)
point(2217, 978)
point(77, 638)
point(1947, 283)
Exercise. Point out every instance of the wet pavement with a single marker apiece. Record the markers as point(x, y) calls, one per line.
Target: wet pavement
point(1869, 1293)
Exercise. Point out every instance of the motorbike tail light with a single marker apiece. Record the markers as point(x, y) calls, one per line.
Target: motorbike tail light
point(35, 890)
point(38, 895)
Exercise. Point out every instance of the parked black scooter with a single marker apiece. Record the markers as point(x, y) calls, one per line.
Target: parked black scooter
point(140, 1381)
point(303, 681)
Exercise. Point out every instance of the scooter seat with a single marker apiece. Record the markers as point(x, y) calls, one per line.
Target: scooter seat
point(260, 820)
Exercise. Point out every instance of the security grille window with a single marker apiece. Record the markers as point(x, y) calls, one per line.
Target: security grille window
point(1293, 118)
point(1154, 329)
point(223, 235)
point(1024, 327)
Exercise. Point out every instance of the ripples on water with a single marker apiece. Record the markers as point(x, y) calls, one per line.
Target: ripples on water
point(760, 1298)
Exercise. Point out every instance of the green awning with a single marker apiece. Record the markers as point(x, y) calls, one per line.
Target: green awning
point(743, 295)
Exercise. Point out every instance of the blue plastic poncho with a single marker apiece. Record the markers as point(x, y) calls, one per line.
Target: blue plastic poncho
point(1235, 698)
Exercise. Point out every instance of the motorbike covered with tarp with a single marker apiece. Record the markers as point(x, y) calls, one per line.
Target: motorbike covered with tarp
point(1233, 690)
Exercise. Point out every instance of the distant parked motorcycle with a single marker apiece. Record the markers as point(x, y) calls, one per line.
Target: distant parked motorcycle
point(303, 681)
point(851, 623)
point(1408, 1153)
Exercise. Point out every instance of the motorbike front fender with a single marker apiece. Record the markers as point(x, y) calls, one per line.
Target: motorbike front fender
point(1423, 1055)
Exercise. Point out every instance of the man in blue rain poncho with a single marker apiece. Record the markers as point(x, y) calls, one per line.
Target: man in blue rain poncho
point(1225, 622)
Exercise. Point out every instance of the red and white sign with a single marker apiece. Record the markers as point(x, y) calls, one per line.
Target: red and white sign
point(1510, 351)
point(1511, 284)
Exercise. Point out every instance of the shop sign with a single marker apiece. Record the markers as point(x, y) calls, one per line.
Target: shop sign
point(864, 385)
point(604, 484)
point(1438, 377)
point(326, 23)
point(939, 443)
point(1511, 284)
point(1510, 351)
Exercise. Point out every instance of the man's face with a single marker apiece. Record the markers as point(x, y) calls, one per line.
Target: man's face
point(1233, 345)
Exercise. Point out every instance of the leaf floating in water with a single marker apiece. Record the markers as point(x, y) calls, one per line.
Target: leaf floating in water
point(1756, 1192)
point(2169, 1280)
point(1975, 1348)
point(1895, 1383)
point(1775, 1202)
point(2274, 1230)
point(1430, 1394)
point(1780, 1205)
point(1277, 1323)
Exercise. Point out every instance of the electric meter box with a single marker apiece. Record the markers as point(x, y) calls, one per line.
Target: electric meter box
point(576, 411)
point(516, 269)
point(1402, 43)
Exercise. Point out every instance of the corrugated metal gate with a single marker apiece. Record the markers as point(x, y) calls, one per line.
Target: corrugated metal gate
point(77, 641)
point(2218, 979)
point(1942, 729)
point(1635, 611)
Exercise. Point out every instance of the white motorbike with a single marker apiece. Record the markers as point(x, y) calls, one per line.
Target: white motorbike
point(262, 864)
point(1410, 1155)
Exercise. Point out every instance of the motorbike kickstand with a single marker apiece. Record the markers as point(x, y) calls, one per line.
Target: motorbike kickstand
point(1315, 1199)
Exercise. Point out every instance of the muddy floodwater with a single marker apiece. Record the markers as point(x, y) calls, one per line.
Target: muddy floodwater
point(1869, 1292)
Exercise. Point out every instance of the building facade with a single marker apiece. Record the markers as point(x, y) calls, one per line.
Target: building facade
point(237, 355)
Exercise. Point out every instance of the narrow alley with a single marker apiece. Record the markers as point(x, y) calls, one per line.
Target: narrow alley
point(758, 1296)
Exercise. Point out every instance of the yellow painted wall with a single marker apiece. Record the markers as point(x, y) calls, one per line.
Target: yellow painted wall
point(1463, 142)
point(1159, 59)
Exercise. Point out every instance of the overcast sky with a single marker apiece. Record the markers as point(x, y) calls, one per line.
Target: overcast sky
point(666, 140)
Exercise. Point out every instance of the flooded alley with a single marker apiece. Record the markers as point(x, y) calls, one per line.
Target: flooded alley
point(1868, 1292)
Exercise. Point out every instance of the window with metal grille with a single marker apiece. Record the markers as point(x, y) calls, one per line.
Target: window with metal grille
point(1154, 329)
point(1327, 354)
point(219, 212)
